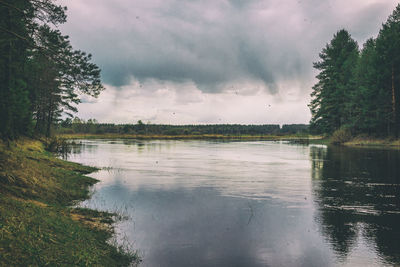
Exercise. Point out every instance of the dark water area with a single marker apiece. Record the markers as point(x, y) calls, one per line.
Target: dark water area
point(203, 203)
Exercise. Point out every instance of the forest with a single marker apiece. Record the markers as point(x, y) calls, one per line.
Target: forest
point(91, 126)
point(41, 75)
point(358, 90)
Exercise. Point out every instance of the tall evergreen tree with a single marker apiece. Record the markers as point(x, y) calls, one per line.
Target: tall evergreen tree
point(14, 42)
point(367, 101)
point(336, 83)
point(41, 76)
point(388, 66)
point(61, 75)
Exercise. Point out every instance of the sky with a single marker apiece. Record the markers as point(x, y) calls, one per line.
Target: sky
point(211, 61)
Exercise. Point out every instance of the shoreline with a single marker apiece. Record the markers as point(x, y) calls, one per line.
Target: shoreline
point(356, 142)
point(38, 225)
point(190, 137)
point(362, 142)
point(373, 143)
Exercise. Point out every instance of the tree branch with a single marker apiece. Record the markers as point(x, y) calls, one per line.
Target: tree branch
point(11, 6)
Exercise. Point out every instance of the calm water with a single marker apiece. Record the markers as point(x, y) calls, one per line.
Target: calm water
point(201, 203)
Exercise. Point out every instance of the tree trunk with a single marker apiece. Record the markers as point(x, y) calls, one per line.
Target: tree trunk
point(7, 86)
point(49, 116)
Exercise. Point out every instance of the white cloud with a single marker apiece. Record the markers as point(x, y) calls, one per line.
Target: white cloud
point(208, 58)
point(171, 103)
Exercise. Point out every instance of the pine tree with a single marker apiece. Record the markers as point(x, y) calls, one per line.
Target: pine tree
point(63, 75)
point(41, 76)
point(367, 115)
point(14, 42)
point(329, 106)
point(388, 66)
point(19, 22)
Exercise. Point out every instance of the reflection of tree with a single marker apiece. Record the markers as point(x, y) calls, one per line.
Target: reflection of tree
point(318, 155)
point(357, 193)
point(79, 147)
point(76, 148)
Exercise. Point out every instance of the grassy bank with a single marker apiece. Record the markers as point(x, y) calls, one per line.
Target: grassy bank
point(373, 142)
point(360, 141)
point(188, 137)
point(38, 227)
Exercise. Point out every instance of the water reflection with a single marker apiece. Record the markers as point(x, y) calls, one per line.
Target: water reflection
point(81, 146)
point(199, 203)
point(358, 198)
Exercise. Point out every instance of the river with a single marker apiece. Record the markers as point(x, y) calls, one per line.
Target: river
point(208, 203)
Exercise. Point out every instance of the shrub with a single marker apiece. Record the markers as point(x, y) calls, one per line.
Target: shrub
point(341, 136)
point(58, 145)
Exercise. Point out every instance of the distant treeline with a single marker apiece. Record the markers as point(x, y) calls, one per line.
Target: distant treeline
point(92, 127)
point(358, 91)
point(41, 75)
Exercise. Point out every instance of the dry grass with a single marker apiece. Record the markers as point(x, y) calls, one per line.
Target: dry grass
point(361, 141)
point(37, 225)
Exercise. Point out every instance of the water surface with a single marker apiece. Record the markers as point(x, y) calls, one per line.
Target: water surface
point(203, 203)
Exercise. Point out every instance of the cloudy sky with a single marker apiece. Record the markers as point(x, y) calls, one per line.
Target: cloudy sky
point(211, 61)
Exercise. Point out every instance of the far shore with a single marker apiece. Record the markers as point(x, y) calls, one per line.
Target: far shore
point(365, 142)
point(191, 137)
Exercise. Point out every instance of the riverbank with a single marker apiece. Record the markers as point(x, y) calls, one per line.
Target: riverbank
point(38, 226)
point(189, 137)
point(373, 142)
point(361, 142)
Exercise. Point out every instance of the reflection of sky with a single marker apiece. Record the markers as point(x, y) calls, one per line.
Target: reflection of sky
point(251, 170)
point(200, 203)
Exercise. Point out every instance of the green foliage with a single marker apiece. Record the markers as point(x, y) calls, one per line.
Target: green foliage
point(59, 146)
point(77, 126)
point(41, 76)
point(388, 71)
point(359, 89)
point(341, 136)
point(14, 39)
point(329, 107)
point(367, 102)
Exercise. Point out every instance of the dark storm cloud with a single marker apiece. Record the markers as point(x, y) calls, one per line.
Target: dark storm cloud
point(215, 43)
